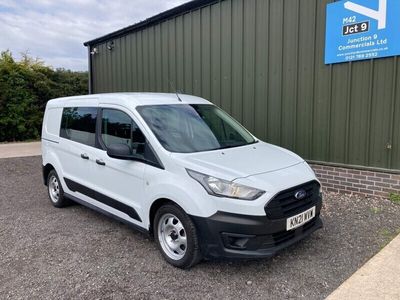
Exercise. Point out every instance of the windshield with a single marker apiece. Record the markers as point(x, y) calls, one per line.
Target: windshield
point(193, 128)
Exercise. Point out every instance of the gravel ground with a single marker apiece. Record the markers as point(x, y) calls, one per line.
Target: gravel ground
point(77, 253)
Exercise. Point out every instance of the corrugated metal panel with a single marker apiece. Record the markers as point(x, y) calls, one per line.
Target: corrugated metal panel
point(395, 134)
point(262, 61)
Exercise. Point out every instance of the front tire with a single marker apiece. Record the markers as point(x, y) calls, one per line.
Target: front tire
point(55, 190)
point(176, 237)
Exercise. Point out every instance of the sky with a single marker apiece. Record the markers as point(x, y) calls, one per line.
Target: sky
point(54, 30)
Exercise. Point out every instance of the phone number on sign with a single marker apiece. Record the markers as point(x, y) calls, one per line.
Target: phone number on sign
point(362, 56)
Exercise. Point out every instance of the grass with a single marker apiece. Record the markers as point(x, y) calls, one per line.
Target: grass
point(376, 210)
point(388, 236)
point(394, 197)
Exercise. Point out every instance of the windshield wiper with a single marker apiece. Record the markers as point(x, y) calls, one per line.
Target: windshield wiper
point(237, 145)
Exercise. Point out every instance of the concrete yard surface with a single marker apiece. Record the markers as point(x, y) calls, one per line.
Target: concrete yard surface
point(379, 278)
point(20, 149)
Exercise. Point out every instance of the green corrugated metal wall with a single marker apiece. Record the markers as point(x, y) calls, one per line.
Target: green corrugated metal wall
point(262, 61)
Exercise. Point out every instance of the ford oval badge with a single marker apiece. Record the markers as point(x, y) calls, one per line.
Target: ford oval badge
point(301, 194)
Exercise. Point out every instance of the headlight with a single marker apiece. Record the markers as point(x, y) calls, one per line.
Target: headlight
point(223, 188)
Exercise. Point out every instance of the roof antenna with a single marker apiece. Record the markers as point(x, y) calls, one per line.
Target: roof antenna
point(176, 91)
point(177, 95)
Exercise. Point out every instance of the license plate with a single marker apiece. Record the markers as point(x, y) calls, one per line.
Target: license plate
point(300, 219)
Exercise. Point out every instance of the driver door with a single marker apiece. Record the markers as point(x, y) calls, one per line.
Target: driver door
point(120, 182)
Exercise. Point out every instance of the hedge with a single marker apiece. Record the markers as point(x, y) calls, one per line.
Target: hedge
point(25, 88)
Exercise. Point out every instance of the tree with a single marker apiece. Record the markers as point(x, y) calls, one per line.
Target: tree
point(25, 88)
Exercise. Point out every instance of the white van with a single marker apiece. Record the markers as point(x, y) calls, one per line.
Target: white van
point(181, 169)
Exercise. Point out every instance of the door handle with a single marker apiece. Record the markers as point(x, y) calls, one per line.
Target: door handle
point(100, 162)
point(84, 156)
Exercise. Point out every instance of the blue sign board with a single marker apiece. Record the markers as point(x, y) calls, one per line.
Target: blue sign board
point(362, 29)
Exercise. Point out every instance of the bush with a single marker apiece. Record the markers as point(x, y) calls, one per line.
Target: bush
point(25, 88)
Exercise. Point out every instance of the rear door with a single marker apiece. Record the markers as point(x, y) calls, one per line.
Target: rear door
point(77, 141)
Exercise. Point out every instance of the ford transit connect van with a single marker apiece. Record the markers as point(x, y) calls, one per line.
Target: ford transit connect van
point(179, 168)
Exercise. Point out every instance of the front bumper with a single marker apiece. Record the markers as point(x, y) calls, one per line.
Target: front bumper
point(226, 235)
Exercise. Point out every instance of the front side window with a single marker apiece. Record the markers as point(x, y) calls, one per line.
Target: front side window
point(193, 128)
point(118, 128)
point(79, 124)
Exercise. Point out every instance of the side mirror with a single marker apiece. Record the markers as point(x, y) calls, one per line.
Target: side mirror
point(121, 151)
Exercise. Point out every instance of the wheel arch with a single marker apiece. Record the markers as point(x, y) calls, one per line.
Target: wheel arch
point(46, 170)
point(153, 209)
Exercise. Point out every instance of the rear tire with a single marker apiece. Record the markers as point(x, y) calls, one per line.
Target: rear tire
point(55, 190)
point(176, 237)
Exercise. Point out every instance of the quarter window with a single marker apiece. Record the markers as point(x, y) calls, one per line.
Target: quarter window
point(79, 124)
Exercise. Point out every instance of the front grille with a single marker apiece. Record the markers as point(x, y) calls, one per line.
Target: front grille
point(285, 204)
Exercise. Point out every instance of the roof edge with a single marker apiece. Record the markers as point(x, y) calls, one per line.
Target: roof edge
point(176, 11)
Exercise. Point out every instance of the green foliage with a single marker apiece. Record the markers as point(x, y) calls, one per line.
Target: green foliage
point(388, 235)
point(394, 197)
point(25, 88)
point(376, 210)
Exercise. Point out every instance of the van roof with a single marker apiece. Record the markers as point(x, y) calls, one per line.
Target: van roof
point(127, 99)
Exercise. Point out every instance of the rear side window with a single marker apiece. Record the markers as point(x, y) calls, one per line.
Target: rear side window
point(79, 124)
